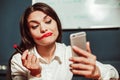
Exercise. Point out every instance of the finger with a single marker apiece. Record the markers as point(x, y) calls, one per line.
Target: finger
point(88, 47)
point(80, 51)
point(29, 61)
point(29, 58)
point(79, 60)
point(85, 73)
point(81, 66)
point(24, 56)
point(37, 60)
point(88, 61)
point(33, 61)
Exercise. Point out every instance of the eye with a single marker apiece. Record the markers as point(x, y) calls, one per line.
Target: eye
point(35, 26)
point(49, 21)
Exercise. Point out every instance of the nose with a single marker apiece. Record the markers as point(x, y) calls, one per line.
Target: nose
point(43, 28)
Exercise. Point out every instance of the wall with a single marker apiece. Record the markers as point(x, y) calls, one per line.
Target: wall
point(10, 12)
point(77, 14)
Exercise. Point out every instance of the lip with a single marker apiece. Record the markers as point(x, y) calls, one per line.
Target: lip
point(45, 35)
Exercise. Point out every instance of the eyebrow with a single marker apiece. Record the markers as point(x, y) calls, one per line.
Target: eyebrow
point(36, 21)
point(45, 16)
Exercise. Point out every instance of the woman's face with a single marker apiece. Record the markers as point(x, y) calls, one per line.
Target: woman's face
point(43, 28)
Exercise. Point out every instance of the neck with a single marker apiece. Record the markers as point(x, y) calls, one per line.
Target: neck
point(46, 52)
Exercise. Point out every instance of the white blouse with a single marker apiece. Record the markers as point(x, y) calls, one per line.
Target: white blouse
point(58, 68)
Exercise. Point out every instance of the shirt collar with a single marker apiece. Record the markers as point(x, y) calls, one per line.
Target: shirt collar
point(57, 54)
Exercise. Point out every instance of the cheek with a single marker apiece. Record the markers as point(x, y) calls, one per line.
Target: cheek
point(55, 30)
point(56, 33)
point(33, 33)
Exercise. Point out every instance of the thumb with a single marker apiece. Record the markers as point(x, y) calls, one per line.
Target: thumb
point(88, 46)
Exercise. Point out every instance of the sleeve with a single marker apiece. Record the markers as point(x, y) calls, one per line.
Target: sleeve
point(19, 78)
point(107, 71)
point(18, 71)
point(34, 78)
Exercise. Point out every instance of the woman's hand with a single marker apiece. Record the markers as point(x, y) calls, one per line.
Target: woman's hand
point(31, 62)
point(85, 64)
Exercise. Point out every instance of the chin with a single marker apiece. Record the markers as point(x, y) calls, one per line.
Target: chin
point(46, 43)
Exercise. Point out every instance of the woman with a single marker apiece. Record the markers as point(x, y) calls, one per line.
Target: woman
point(45, 58)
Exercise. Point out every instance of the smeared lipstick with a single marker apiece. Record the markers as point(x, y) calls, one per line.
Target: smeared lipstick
point(15, 46)
point(45, 35)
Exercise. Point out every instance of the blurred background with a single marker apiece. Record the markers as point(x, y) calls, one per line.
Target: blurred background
point(10, 13)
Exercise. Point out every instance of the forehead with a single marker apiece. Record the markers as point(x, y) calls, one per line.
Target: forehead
point(36, 15)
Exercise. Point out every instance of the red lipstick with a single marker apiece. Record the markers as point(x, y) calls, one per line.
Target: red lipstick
point(45, 35)
point(17, 48)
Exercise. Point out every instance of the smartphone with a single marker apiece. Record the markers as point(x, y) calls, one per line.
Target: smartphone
point(78, 39)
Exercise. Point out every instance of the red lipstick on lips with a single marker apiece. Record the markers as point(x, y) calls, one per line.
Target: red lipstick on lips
point(45, 35)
